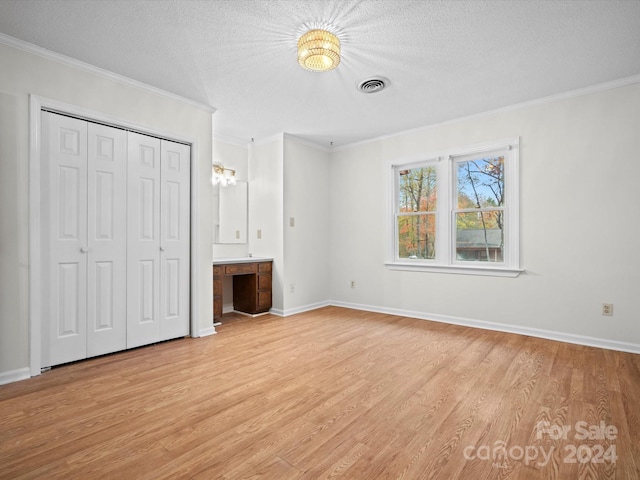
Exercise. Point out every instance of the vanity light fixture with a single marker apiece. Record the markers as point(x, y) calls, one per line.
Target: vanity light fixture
point(223, 176)
point(319, 50)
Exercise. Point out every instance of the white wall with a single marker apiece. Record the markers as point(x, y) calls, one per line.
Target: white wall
point(579, 174)
point(579, 182)
point(235, 157)
point(306, 244)
point(289, 178)
point(25, 73)
point(14, 239)
point(266, 187)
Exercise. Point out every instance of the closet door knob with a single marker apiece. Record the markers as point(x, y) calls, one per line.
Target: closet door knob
point(84, 249)
point(162, 249)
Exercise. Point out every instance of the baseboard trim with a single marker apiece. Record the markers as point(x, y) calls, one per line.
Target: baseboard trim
point(205, 332)
point(500, 327)
point(304, 308)
point(15, 375)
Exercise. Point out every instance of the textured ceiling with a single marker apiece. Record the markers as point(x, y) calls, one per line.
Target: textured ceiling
point(445, 59)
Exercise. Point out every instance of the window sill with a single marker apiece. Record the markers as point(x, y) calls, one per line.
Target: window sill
point(455, 269)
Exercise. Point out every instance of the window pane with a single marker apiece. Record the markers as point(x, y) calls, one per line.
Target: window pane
point(417, 192)
point(479, 236)
point(481, 183)
point(417, 236)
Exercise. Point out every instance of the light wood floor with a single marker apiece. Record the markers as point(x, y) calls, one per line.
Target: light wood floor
point(333, 393)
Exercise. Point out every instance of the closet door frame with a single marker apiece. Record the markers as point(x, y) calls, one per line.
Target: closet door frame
point(36, 105)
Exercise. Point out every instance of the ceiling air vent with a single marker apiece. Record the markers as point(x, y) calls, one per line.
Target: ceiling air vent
point(373, 85)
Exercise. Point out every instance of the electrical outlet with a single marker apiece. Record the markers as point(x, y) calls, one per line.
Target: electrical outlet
point(607, 309)
point(259, 234)
point(292, 288)
point(353, 284)
point(292, 222)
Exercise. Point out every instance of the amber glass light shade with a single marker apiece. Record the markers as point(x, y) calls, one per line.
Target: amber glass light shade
point(319, 51)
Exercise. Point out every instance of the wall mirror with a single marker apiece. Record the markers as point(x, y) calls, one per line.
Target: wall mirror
point(231, 226)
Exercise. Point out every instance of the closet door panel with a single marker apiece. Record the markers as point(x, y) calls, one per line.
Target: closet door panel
point(143, 240)
point(64, 238)
point(175, 239)
point(115, 236)
point(107, 240)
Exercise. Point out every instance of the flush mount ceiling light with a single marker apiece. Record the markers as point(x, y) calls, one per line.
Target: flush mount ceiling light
point(319, 50)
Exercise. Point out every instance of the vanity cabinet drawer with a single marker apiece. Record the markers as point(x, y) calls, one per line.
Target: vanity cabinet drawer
point(264, 267)
point(264, 282)
point(240, 268)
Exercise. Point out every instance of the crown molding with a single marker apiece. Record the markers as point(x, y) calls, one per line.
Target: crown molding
point(623, 82)
point(86, 67)
point(278, 137)
point(238, 142)
point(308, 143)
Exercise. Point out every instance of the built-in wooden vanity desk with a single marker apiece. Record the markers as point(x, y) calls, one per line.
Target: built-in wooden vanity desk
point(251, 284)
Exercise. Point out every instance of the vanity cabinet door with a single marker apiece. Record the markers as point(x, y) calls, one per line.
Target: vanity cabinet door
point(217, 292)
point(264, 292)
point(264, 301)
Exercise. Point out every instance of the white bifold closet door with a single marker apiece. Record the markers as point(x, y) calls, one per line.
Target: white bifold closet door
point(158, 240)
point(84, 239)
point(115, 235)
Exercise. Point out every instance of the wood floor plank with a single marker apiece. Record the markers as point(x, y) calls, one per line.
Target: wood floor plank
point(332, 393)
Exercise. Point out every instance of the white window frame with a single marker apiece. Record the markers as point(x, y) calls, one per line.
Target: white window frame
point(445, 259)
